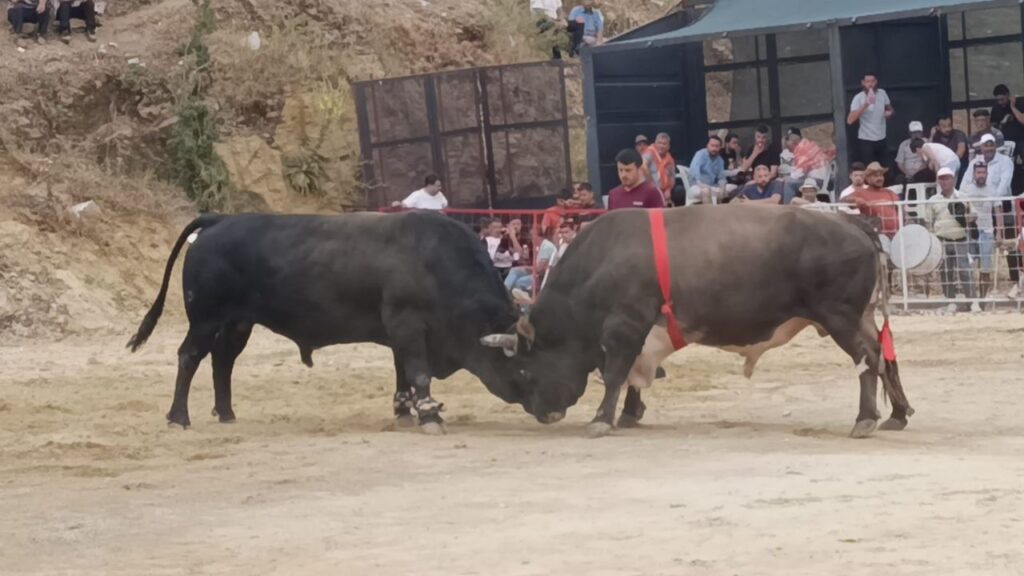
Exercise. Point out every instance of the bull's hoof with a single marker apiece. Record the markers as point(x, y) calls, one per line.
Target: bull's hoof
point(598, 429)
point(628, 421)
point(893, 424)
point(178, 421)
point(405, 420)
point(863, 429)
point(227, 417)
point(433, 428)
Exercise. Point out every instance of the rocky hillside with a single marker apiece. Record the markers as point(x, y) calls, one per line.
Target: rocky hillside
point(176, 107)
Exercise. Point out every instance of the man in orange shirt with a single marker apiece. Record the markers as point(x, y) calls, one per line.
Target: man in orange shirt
point(873, 200)
point(661, 166)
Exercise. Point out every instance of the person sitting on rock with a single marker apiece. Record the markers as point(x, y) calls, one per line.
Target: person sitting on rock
point(32, 11)
point(79, 10)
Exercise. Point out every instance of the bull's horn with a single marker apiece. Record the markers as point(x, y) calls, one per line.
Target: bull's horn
point(507, 342)
point(525, 329)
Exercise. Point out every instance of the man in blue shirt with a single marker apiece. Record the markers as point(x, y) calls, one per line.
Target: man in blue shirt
point(707, 172)
point(586, 24)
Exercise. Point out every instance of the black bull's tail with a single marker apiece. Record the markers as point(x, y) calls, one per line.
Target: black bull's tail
point(889, 369)
point(149, 322)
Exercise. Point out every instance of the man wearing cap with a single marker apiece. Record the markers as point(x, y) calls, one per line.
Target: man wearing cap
point(908, 163)
point(762, 190)
point(948, 221)
point(980, 193)
point(873, 200)
point(871, 108)
point(1000, 167)
point(983, 127)
point(944, 133)
point(640, 143)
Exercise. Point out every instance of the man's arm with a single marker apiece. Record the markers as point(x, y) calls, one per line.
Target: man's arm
point(697, 167)
point(600, 26)
point(1019, 115)
point(889, 110)
point(856, 112)
point(961, 148)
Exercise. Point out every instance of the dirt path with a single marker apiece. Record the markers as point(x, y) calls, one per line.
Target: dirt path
point(728, 477)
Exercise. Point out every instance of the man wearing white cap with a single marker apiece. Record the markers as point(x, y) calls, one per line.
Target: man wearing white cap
point(1000, 167)
point(948, 219)
point(981, 194)
point(908, 162)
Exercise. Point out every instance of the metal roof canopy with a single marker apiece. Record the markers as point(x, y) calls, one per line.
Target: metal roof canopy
point(752, 17)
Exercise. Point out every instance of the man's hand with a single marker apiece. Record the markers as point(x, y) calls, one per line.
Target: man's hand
point(888, 113)
point(42, 7)
point(396, 204)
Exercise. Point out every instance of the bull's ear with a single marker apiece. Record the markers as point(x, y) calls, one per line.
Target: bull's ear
point(525, 329)
point(509, 343)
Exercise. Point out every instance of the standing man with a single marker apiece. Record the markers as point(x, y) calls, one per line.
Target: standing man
point(990, 216)
point(633, 190)
point(640, 144)
point(908, 163)
point(707, 171)
point(661, 166)
point(427, 198)
point(871, 107)
point(1008, 115)
point(1000, 167)
point(935, 155)
point(948, 221)
point(586, 24)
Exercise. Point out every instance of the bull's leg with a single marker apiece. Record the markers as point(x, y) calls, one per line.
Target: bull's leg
point(409, 343)
point(622, 342)
point(230, 342)
point(404, 396)
point(633, 410)
point(848, 334)
point(890, 375)
point(193, 349)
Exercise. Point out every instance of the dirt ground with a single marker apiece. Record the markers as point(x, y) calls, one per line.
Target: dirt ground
point(728, 476)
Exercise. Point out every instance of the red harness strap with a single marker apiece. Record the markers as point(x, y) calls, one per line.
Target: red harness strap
point(660, 245)
point(885, 339)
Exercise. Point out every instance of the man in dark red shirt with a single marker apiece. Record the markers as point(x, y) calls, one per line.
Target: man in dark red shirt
point(634, 191)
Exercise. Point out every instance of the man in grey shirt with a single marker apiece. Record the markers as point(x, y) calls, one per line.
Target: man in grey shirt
point(910, 164)
point(871, 108)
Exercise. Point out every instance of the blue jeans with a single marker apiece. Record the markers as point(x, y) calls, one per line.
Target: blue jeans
point(520, 277)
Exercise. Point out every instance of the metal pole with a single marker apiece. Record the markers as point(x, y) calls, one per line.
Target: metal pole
point(903, 258)
point(835, 56)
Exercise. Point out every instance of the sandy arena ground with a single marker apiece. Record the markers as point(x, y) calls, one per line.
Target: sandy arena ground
point(728, 476)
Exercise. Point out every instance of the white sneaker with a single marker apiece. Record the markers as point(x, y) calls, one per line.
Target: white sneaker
point(1014, 292)
point(951, 309)
point(975, 307)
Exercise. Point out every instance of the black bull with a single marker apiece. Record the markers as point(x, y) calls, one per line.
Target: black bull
point(420, 283)
point(744, 279)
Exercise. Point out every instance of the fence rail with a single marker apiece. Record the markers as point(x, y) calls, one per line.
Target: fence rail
point(934, 260)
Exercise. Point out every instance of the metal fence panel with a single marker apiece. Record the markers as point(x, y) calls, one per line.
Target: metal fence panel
point(492, 134)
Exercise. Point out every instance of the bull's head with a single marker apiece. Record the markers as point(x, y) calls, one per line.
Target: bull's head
point(550, 372)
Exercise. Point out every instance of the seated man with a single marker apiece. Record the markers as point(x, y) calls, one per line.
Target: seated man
point(586, 24)
point(521, 277)
point(876, 202)
point(661, 166)
point(950, 137)
point(856, 179)
point(808, 161)
point(32, 11)
point(707, 171)
point(983, 126)
point(808, 197)
point(763, 153)
point(909, 164)
point(79, 10)
point(763, 190)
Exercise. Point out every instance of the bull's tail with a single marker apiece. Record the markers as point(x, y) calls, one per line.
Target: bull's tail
point(888, 367)
point(149, 322)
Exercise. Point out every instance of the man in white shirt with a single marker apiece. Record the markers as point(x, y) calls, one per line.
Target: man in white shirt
point(1000, 167)
point(871, 108)
point(948, 221)
point(427, 198)
point(935, 155)
point(856, 179)
point(989, 219)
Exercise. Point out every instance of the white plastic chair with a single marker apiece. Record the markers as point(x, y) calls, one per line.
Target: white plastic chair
point(683, 174)
point(915, 196)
